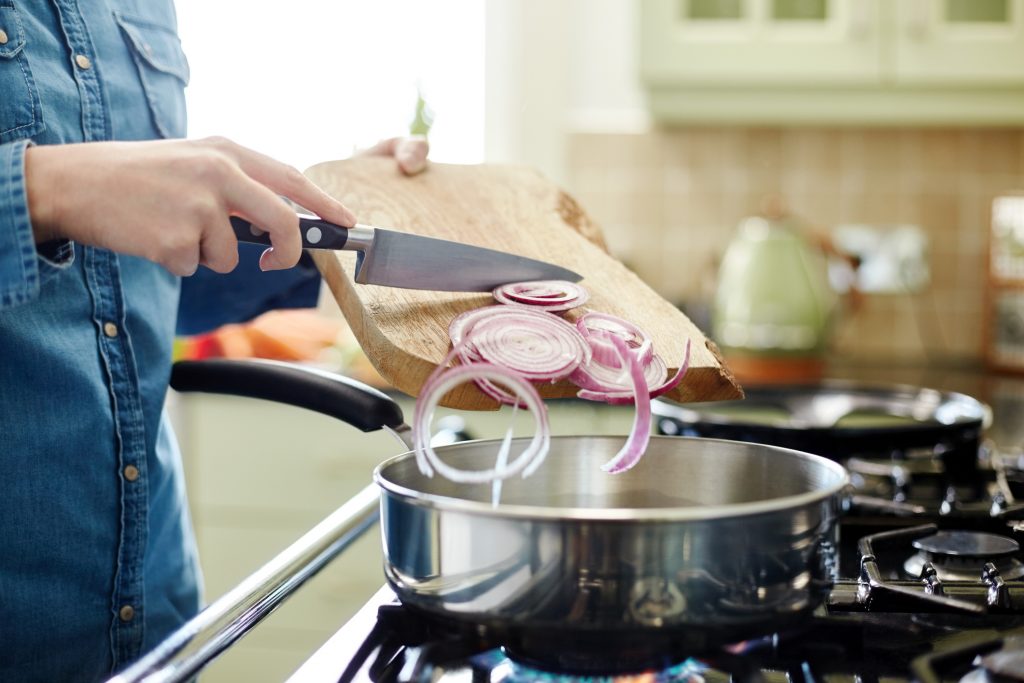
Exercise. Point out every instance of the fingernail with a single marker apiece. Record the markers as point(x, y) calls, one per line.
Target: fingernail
point(266, 260)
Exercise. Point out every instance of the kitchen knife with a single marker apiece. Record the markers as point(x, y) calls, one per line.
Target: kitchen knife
point(399, 259)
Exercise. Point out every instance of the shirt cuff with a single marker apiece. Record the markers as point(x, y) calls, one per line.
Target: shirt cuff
point(19, 271)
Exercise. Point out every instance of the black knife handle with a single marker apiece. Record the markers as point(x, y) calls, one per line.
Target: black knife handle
point(316, 233)
point(328, 393)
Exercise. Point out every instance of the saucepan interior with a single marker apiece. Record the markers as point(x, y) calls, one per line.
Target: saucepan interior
point(677, 479)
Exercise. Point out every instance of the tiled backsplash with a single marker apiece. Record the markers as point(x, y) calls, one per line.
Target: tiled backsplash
point(669, 202)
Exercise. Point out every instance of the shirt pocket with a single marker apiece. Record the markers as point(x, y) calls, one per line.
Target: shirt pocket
point(21, 114)
point(163, 71)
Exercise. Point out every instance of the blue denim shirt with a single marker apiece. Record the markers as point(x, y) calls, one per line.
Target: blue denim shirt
point(97, 561)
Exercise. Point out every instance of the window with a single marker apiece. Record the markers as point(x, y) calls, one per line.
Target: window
point(307, 81)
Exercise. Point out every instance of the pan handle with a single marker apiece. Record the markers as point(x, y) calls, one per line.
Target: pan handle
point(358, 404)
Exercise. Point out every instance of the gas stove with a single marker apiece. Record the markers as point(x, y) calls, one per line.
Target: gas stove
point(929, 586)
point(933, 594)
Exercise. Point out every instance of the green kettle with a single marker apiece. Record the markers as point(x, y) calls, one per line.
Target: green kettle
point(773, 303)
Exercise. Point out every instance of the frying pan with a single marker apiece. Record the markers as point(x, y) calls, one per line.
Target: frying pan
point(709, 540)
point(866, 427)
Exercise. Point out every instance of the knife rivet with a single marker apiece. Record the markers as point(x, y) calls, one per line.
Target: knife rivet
point(313, 235)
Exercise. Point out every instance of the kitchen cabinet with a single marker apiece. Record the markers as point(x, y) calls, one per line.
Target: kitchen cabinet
point(948, 62)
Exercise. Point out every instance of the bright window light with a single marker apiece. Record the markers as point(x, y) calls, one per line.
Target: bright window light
point(309, 81)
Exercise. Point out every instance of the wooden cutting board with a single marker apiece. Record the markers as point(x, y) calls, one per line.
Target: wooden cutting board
point(404, 332)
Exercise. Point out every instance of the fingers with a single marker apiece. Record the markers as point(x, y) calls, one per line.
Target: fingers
point(287, 181)
point(264, 209)
point(218, 248)
point(183, 261)
point(410, 152)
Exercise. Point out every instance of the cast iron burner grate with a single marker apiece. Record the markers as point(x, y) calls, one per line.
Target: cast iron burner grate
point(407, 645)
point(405, 648)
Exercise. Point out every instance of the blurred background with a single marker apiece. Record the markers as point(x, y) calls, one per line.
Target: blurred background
point(819, 184)
point(673, 120)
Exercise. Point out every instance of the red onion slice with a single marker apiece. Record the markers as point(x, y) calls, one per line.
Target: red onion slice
point(596, 328)
point(443, 380)
point(600, 378)
point(625, 397)
point(536, 345)
point(504, 348)
point(551, 295)
point(640, 434)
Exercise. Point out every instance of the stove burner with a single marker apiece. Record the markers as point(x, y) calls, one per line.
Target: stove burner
point(503, 669)
point(962, 555)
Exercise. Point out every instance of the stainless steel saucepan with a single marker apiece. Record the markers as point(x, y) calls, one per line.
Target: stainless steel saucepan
point(705, 541)
point(715, 540)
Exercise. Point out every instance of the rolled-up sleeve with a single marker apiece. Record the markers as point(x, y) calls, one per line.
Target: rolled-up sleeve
point(20, 260)
point(19, 273)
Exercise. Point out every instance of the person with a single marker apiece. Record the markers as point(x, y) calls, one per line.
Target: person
point(103, 209)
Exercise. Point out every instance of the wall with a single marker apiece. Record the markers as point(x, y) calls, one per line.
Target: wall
point(669, 200)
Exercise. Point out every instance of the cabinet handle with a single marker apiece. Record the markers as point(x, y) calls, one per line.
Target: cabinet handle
point(917, 19)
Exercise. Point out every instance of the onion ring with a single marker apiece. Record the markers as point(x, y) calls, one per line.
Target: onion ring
point(538, 346)
point(625, 397)
point(443, 380)
point(551, 295)
point(608, 358)
point(596, 328)
point(640, 435)
point(601, 378)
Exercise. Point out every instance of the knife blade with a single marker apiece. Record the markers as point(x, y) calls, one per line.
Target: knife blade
point(399, 259)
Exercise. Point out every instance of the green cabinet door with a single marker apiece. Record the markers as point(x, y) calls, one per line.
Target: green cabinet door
point(969, 43)
point(761, 42)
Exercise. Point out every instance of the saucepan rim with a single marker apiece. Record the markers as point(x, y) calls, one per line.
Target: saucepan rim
point(695, 513)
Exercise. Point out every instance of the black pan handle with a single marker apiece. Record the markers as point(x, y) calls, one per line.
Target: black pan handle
point(350, 401)
point(316, 233)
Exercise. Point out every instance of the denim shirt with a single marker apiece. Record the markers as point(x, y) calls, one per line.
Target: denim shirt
point(97, 559)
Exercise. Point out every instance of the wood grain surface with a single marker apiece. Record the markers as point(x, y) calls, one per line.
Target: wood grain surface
point(405, 332)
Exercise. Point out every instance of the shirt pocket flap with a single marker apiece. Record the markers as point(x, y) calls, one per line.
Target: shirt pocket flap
point(158, 46)
point(11, 26)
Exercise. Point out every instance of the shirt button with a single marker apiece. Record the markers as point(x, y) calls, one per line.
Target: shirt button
point(110, 329)
point(131, 472)
point(3, 37)
point(83, 62)
point(127, 613)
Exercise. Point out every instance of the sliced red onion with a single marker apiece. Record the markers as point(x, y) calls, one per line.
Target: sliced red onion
point(596, 328)
point(443, 380)
point(600, 378)
point(626, 397)
point(502, 460)
point(504, 348)
point(640, 435)
point(536, 345)
point(551, 295)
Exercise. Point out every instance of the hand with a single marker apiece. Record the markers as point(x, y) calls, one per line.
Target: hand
point(169, 200)
point(410, 152)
